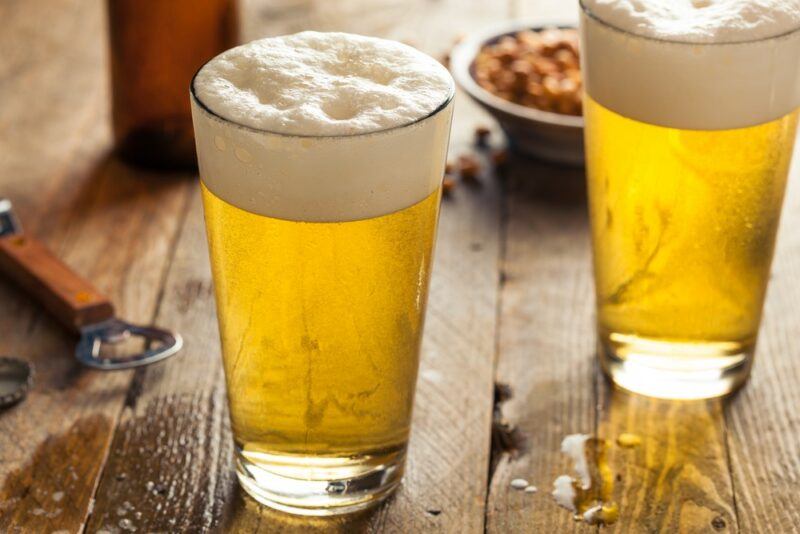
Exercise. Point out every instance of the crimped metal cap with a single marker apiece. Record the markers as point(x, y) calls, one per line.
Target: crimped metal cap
point(16, 378)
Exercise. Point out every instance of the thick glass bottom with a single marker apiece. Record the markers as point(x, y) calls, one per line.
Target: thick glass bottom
point(675, 370)
point(319, 485)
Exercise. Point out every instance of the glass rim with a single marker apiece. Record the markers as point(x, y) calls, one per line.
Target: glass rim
point(442, 106)
point(588, 12)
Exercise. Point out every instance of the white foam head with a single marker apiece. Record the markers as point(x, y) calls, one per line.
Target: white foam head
point(694, 64)
point(313, 83)
point(322, 126)
point(700, 21)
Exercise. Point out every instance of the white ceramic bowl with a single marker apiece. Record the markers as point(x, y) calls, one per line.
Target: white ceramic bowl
point(551, 136)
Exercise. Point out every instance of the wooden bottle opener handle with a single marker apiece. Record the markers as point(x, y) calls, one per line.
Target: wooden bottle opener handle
point(71, 299)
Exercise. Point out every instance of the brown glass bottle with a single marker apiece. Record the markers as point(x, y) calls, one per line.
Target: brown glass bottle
point(156, 47)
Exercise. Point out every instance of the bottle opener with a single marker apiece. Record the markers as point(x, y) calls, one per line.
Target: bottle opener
point(75, 302)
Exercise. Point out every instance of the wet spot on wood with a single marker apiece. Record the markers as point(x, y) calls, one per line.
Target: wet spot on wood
point(167, 447)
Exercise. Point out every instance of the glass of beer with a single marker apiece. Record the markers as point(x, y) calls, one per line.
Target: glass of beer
point(321, 158)
point(691, 110)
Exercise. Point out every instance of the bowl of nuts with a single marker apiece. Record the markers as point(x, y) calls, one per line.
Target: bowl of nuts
point(528, 77)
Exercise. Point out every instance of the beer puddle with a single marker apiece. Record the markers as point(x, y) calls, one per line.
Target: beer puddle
point(589, 494)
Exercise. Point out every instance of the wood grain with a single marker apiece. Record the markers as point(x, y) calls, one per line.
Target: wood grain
point(54, 167)
point(546, 346)
point(546, 341)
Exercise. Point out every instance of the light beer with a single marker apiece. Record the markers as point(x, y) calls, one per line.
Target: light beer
point(321, 325)
point(687, 160)
point(321, 159)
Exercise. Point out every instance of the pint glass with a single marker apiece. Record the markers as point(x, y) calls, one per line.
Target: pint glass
point(688, 145)
point(321, 251)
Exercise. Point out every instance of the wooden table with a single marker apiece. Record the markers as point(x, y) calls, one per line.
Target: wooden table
point(511, 303)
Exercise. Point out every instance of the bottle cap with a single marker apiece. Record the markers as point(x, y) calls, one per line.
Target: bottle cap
point(16, 378)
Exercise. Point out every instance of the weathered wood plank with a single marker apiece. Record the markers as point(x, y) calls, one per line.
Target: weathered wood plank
point(546, 346)
point(110, 224)
point(764, 420)
point(176, 433)
point(546, 351)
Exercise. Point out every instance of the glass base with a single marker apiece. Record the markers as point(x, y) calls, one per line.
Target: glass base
point(319, 485)
point(675, 370)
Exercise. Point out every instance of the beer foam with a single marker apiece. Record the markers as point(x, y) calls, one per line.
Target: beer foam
point(700, 21)
point(314, 83)
point(322, 127)
point(693, 64)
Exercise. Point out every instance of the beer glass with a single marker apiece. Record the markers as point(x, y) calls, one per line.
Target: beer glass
point(321, 251)
point(688, 149)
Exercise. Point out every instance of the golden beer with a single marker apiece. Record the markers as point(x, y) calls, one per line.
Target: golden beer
point(683, 230)
point(686, 175)
point(321, 160)
point(321, 324)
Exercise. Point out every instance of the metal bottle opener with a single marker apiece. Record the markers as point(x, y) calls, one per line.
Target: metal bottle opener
point(74, 301)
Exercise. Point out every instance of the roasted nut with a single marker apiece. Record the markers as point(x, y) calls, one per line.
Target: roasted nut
point(535, 69)
point(566, 58)
point(469, 167)
point(546, 66)
point(499, 158)
point(552, 88)
point(482, 134)
point(447, 185)
point(529, 39)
